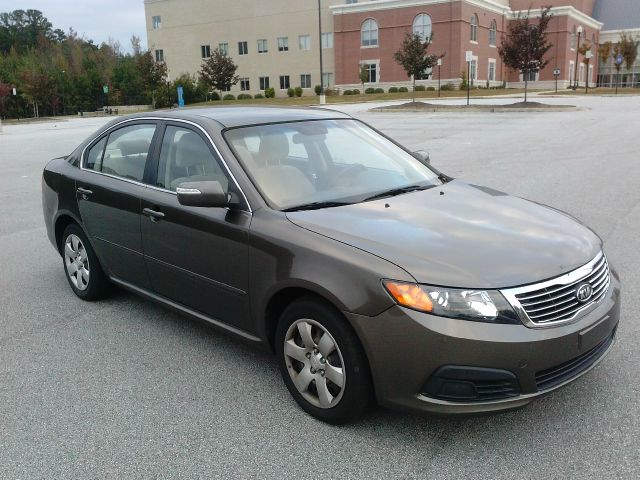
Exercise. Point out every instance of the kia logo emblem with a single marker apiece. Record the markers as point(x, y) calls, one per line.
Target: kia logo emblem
point(584, 292)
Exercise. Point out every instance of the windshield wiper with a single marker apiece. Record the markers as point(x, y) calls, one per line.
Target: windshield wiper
point(316, 206)
point(397, 191)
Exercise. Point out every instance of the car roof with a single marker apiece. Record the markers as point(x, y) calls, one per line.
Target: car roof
point(229, 117)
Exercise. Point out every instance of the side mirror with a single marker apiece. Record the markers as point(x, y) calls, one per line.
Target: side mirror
point(202, 194)
point(422, 156)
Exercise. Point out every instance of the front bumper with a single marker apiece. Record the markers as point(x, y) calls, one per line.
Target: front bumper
point(405, 348)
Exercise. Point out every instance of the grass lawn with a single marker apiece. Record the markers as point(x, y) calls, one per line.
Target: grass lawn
point(597, 91)
point(373, 97)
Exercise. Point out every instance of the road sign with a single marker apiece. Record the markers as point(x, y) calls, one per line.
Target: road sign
point(439, 62)
point(180, 96)
point(105, 88)
point(469, 56)
point(619, 59)
point(556, 72)
point(14, 91)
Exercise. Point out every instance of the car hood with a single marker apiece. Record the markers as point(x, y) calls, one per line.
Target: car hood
point(461, 235)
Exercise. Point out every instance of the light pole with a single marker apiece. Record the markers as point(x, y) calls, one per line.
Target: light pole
point(439, 74)
point(322, 97)
point(469, 58)
point(575, 73)
point(588, 56)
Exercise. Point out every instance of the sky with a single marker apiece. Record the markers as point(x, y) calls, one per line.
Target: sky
point(95, 19)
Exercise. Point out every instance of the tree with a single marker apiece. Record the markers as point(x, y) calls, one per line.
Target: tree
point(154, 74)
point(5, 92)
point(604, 50)
point(219, 71)
point(413, 57)
point(363, 75)
point(524, 47)
point(629, 50)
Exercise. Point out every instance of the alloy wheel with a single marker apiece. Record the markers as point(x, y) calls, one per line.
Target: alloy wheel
point(76, 262)
point(314, 363)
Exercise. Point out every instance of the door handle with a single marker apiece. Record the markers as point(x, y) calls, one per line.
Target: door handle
point(85, 192)
point(153, 215)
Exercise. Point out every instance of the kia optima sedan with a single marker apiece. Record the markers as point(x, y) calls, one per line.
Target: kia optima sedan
point(371, 275)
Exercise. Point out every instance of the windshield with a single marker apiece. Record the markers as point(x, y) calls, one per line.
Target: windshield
point(328, 162)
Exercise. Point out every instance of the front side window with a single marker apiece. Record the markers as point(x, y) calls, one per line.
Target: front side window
point(305, 80)
point(263, 46)
point(304, 42)
point(243, 48)
point(293, 164)
point(284, 82)
point(283, 44)
point(422, 26)
point(474, 28)
point(123, 153)
point(156, 20)
point(493, 33)
point(369, 33)
point(186, 157)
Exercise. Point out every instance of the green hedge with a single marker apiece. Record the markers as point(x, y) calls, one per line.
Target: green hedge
point(298, 91)
point(420, 88)
point(403, 90)
point(244, 96)
point(228, 96)
point(270, 92)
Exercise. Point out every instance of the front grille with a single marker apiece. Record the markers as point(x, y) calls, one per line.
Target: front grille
point(551, 377)
point(558, 302)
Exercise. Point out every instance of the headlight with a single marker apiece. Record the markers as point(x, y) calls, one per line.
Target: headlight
point(466, 304)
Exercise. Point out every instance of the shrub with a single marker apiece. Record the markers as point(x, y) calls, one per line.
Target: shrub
point(328, 92)
point(270, 92)
point(348, 92)
point(431, 89)
point(298, 91)
point(258, 96)
point(393, 90)
point(379, 90)
point(215, 96)
point(448, 87)
point(403, 90)
point(463, 78)
point(228, 96)
point(370, 90)
point(317, 89)
point(244, 96)
point(356, 91)
point(420, 88)
point(290, 92)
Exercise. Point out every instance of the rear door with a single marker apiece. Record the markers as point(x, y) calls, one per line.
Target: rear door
point(109, 189)
point(196, 256)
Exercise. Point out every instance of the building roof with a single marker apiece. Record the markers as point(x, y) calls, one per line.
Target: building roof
point(617, 14)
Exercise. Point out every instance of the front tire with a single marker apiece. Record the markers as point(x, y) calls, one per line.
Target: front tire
point(81, 265)
point(322, 362)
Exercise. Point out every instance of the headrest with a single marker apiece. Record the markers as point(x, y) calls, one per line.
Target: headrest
point(191, 150)
point(274, 147)
point(133, 147)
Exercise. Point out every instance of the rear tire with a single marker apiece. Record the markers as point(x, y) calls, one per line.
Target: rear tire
point(81, 265)
point(322, 362)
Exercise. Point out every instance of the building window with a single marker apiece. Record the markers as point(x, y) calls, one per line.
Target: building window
point(205, 51)
point(572, 77)
point(283, 44)
point(473, 72)
point(305, 80)
point(351, 1)
point(422, 26)
point(369, 33)
point(574, 37)
point(327, 40)
point(263, 46)
point(492, 70)
point(224, 48)
point(372, 72)
point(474, 28)
point(327, 80)
point(264, 83)
point(284, 82)
point(156, 20)
point(493, 33)
point(304, 41)
point(531, 76)
point(159, 55)
point(581, 74)
point(244, 84)
point(243, 48)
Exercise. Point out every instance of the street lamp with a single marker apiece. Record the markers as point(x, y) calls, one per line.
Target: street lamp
point(439, 74)
point(588, 55)
point(322, 97)
point(575, 73)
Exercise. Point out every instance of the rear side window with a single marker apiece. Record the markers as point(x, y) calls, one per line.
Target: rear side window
point(125, 153)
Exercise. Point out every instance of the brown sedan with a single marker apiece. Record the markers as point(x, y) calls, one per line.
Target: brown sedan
point(370, 274)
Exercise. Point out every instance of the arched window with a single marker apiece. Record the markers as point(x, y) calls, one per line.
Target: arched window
point(422, 26)
point(493, 33)
point(369, 33)
point(474, 28)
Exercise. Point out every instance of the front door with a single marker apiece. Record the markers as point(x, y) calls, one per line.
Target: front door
point(108, 190)
point(196, 256)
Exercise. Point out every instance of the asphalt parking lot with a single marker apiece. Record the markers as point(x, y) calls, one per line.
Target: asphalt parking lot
point(124, 388)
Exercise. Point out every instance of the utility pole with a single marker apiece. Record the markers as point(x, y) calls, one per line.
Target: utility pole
point(439, 74)
point(323, 99)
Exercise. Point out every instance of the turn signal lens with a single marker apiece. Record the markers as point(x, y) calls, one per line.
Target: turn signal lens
point(409, 295)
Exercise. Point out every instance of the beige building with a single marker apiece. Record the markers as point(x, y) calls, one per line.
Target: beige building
point(275, 43)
